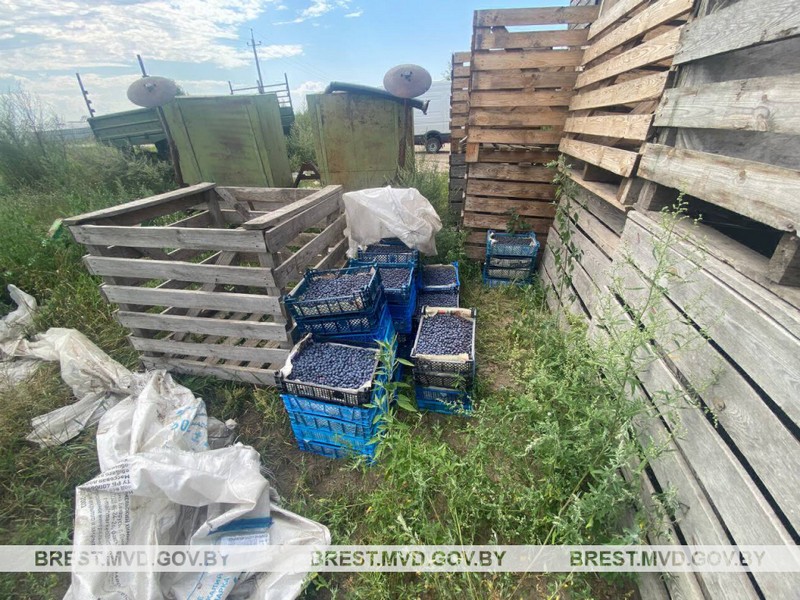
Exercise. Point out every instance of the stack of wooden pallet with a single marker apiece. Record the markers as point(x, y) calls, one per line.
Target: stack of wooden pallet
point(459, 103)
point(520, 87)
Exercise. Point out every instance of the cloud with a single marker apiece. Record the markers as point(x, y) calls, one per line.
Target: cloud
point(299, 93)
point(47, 35)
point(355, 14)
point(316, 9)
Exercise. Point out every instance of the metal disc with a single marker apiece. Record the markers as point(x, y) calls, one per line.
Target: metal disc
point(152, 91)
point(407, 81)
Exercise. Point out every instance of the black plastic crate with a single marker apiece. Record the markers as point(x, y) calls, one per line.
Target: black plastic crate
point(511, 262)
point(448, 299)
point(431, 364)
point(363, 300)
point(450, 381)
point(519, 275)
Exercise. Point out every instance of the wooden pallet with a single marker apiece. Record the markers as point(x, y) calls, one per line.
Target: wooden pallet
point(459, 103)
point(624, 72)
point(202, 294)
point(520, 86)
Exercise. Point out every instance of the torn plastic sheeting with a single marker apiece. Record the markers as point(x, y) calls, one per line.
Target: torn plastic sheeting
point(404, 213)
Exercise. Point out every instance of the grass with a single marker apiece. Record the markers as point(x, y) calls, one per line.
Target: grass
point(514, 473)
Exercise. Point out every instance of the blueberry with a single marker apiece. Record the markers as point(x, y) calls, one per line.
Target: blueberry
point(394, 278)
point(439, 275)
point(337, 285)
point(445, 334)
point(333, 365)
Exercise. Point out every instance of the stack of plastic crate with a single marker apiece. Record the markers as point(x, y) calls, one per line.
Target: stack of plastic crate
point(443, 383)
point(510, 258)
point(445, 295)
point(391, 253)
point(329, 421)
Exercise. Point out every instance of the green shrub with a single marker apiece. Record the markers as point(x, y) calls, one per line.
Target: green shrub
point(300, 142)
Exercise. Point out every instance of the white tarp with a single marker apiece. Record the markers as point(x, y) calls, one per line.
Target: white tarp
point(404, 213)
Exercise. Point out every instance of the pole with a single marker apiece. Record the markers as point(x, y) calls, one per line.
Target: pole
point(85, 96)
point(252, 43)
point(141, 65)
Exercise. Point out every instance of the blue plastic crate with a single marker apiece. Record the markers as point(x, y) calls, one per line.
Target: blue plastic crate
point(333, 451)
point(394, 295)
point(495, 245)
point(384, 330)
point(444, 401)
point(362, 301)
point(454, 287)
point(362, 325)
point(447, 299)
point(403, 314)
point(404, 345)
point(459, 371)
point(390, 251)
point(357, 444)
point(335, 426)
point(358, 415)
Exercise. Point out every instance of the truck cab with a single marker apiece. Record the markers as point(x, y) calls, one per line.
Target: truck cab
point(432, 129)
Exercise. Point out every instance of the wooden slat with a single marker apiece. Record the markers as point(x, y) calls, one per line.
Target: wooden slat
point(459, 96)
point(512, 99)
point(511, 189)
point(650, 18)
point(330, 236)
point(526, 59)
point(282, 215)
point(613, 15)
point(522, 80)
point(147, 208)
point(753, 21)
point(516, 117)
point(505, 206)
point(635, 90)
point(222, 351)
point(510, 172)
point(489, 39)
point(606, 191)
point(461, 57)
point(461, 71)
point(766, 104)
point(181, 271)
point(169, 237)
point(282, 196)
point(652, 51)
point(762, 192)
point(535, 16)
point(499, 222)
point(532, 137)
point(202, 369)
point(784, 266)
point(518, 156)
point(281, 235)
point(225, 301)
point(624, 127)
point(621, 162)
point(335, 257)
point(183, 324)
point(201, 219)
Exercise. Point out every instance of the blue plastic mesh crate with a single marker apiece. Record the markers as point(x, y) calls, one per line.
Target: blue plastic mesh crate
point(444, 299)
point(394, 295)
point(335, 426)
point(403, 314)
point(499, 243)
point(384, 331)
point(360, 325)
point(452, 287)
point(334, 451)
point(439, 365)
point(441, 400)
point(363, 300)
point(357, 415)
point(389, 250)
point(357, 444)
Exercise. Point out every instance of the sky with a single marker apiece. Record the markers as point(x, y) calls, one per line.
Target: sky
point(202, 44)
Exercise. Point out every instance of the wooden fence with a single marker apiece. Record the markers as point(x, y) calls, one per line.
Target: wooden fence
point(722, 92)
point(520, 87)
point(201, 295)
point(459, 103)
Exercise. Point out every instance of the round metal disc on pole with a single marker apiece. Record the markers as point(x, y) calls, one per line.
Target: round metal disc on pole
point(151, 92)
point(407, 81)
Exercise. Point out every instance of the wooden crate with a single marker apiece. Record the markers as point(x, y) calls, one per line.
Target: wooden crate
point(521, 83)
point(198, 273)
point(624, 72)
point(459, 103)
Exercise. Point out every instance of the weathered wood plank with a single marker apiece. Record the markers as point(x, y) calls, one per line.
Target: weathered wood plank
point(185, 324)
point(541, 98)
point(461, 71)
point(784, 266)
point(282, 215)
point(635, 90)
point(222, 351)
point(511, 172)
point(519, 156)
point(147, 208)
point(612, 15)
point(335, 257)
point(330, 236)
point(159, 269)
point(766, 104)
point(461, 57)
point(202, 369)
point(516, 117)
point(504, 206)
point(281, 235)
point(621, 162)
point(225, 301)
point(490, 39)
point(762, 192)
point(459, 96)
point(281, 196)
point(754, 21)
point(527, 59)
point(606, 191)
point(535, 16)
point(624, 127)
point(650, 18)
point(652, 51)
point(510, 189)
point(169, 237)
point(500, 222)
point(522, 80)
point(532, 137)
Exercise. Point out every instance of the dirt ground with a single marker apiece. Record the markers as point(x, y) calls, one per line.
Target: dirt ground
point(440, 160)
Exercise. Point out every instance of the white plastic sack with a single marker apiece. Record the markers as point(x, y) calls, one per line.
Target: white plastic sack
point(12, 331)
point(404, 213)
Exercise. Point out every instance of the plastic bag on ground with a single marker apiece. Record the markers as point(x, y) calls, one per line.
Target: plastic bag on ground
point(404, 213)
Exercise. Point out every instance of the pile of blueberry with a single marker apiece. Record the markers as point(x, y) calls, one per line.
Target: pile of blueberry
point(395, 278)
point(445, 334)
point(510, 240)
point(439, 275)
point(333, 365)
point(443, 299)
point(341, 286)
